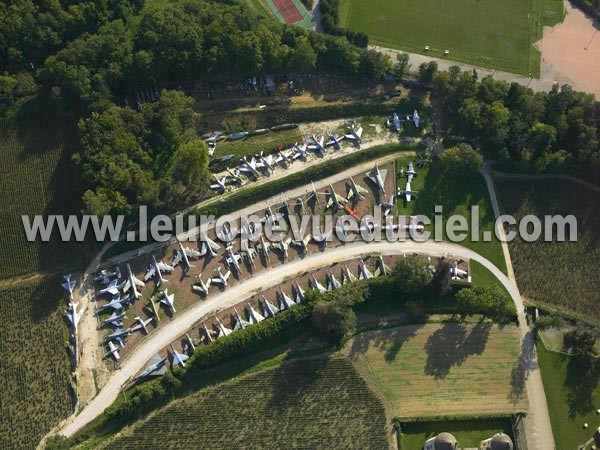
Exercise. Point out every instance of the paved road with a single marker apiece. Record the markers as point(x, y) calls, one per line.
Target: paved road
point(173, 329)
point(538, 429)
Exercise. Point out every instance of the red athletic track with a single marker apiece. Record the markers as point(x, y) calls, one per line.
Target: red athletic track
point(288, 11)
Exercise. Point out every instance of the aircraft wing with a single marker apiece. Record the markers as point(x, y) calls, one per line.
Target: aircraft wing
point(150, 273)
point(138, 283)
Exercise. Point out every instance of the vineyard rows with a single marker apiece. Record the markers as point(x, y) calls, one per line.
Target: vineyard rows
point(312, 403)
point(564, 275)
point(34, 368)
point(34, 179)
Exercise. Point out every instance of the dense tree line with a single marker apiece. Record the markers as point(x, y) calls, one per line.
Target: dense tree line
point(151, 157)
point(556, 131)
point(591, 7)
point(192, 40)
point(330, 19)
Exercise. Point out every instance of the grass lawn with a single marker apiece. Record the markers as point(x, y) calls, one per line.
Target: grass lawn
point(497, 35)
point(561, 274)
point(435, 370)
point(456, 196)
point(468, 433)
point(573, 396)
point(310, 403)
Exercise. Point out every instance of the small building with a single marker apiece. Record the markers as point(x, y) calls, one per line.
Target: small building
point(499, 441)
point(443, 441)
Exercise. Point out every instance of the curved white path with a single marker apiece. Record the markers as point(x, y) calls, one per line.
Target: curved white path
point(182, 322)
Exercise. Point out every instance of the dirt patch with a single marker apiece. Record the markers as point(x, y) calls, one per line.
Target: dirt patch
point(572, 49)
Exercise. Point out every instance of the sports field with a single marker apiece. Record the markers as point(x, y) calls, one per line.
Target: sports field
point(437, 370)
point(493, 34)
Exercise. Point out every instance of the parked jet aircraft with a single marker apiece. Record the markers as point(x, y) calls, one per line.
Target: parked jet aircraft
point(253, 315)
point(240, 323)
point(411, 173)
point(73, 315)
point(269, 309)
point(395, 122)
point(408, 192)
point(322, 237)
point(285, 300)
point(208, 246)
point(415, 118)
point(168, 300)
point(115, 320)
point(219, 184)
point(347, 276)
point(334, 200)
point(457, 273)
point(382, 268)
point(104, 276)
point(283, 246)
point(334, 141)
point(249, 167)
point(302, 243)
point(248, 253)
point(301, 151)
point(387, 207)
point(155, 367)
point(223, 330)
point(220, 278)
point(317, 285)
point(182, 255)
point(299, 293)
point(142, 324)
point(378, 178)
point(264, 247)
point(201, 286)
point(355, 134)
point(267, 163)
point(112, 351)
point(68, 285)
point(156, 268)
point(118, 335)
point(363, 272)
point(233, 259)
point(116, 303)
point(179, 359)
point(112, 288)
point(356, 191)
point(132, 283)
point(333, 282)
point(319, 145)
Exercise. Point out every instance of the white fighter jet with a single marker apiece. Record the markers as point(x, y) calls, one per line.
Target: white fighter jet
point(378, 178)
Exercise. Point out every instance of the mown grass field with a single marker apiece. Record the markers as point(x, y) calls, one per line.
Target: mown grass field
point(456, 195)
point(560, 274)
point(436, 370)
point(573, 395)
point(498, 35)
point(310, 403)
point(468, 433)
point(35, 369)
point(37, 177)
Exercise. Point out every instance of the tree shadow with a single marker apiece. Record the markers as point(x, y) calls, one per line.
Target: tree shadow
point(389, 340)
point(452, 344)
point(527, 363)
point(581, 382)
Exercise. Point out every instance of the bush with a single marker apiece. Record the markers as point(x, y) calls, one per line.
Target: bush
point(491, 301)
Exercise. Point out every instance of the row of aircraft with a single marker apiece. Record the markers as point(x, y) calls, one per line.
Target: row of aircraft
point(395, 123)
point(266, 309)
point(261, 164)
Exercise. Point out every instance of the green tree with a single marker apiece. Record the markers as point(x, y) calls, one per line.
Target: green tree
point(333, 319)
point(402, 65)
point(411, 275)
point(491, 301)
point(461, 161)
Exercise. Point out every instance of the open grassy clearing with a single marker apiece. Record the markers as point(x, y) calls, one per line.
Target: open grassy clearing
point(561, 274)
point(573, 396)
point(456, 195)
point(37, 178)
point(35, 369)
point(468, 433)
point(498, 35)
point(436, 370)
point(310, 403)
